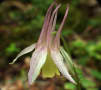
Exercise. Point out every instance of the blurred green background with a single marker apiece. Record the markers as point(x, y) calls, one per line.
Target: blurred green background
point(20, 25)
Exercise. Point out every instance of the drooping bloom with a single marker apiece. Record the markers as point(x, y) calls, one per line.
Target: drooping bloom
point(47, 49)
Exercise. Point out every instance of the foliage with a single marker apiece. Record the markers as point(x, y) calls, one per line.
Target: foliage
point(20, 25)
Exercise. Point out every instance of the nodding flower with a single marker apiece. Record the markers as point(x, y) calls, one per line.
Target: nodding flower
point(48, 48)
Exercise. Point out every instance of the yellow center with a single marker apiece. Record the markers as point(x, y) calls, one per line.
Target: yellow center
point(49, 69)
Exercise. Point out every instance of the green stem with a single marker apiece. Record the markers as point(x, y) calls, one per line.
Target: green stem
point(65, 44)
point(78, 86)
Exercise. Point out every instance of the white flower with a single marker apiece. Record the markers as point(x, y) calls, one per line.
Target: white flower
point(47, 45)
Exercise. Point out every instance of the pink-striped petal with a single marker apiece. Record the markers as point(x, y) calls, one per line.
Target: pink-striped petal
point(36, 63)
point(57, 38)
point(45, 25)
point(52, 25)
point(25, 51)
point(58, 60)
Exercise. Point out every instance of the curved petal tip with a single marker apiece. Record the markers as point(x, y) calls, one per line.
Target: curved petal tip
point(24, 51)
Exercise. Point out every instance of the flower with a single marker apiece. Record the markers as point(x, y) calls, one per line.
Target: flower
point(48, 47)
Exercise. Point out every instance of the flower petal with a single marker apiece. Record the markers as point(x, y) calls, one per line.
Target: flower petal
point(57, 38)
point(52, 24)
point(67, 59)
point(25, 51)
point(36, 63)
point(45, 25)
point(58, 60)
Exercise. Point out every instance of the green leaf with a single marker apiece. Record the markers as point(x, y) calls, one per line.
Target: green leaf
point(83, 61)
point(78, 43)
point(96, 74)
point(67, 32)
point(94, 22)
point(88, 83)
point(69, 86)
point(92, 89)
point(12, 48)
